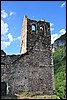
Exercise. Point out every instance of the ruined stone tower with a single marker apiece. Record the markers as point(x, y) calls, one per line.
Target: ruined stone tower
point(36, 37)
point(32, 70)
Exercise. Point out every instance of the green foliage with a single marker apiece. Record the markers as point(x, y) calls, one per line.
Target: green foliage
point(59, 59)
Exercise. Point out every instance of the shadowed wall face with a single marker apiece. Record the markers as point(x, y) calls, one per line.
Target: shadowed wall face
point(3, 88)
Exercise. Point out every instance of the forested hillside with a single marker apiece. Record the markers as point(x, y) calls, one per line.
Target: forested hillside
point(59, 59)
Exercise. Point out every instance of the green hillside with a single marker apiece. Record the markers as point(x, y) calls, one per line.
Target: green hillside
point(59, 59)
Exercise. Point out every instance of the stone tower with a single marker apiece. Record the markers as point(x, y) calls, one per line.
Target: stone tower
point(36, 37)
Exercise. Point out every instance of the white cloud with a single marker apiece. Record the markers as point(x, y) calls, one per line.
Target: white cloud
point(12, 13)
point(4, 37)
point(4, 14)
point(52, 29)
point(10, 37)
point(62, 31)
point(18, 38)
point(4, 44)
point(4, 27)
point(63, 4)
point(54, 37)
point(51, 24)
point(57, 35)
point(4, 31)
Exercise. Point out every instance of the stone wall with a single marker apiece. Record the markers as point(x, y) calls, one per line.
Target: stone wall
point(33, 69)
point(28, 73)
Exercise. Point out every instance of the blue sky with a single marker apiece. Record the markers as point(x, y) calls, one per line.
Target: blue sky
point(12, 14)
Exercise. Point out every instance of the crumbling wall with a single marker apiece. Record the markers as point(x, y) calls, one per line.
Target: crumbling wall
point(33, 69)
point(8, 71)
point(33, 75)
point(28, 74)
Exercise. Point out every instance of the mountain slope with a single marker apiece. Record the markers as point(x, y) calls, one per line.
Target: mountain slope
point(63, 37)
point(59, 59)
point(61, 41)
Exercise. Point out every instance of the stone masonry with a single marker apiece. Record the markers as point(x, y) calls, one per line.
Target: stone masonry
point(33, 69)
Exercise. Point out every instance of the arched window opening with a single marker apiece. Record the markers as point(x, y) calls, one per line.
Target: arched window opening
point(33, 28)
point(42, 28)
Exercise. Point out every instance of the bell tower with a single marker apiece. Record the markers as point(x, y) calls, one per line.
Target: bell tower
point(35, 35)
point(36, 40)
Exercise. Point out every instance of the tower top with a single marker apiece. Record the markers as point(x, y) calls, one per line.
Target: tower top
point(43, 19)
point(35, 35)
point(25, 16)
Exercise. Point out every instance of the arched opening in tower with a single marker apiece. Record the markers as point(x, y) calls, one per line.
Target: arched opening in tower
point(33, 27)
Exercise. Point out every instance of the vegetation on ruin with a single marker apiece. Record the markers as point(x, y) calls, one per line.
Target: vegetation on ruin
point(59, 59)
point(30, 95)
